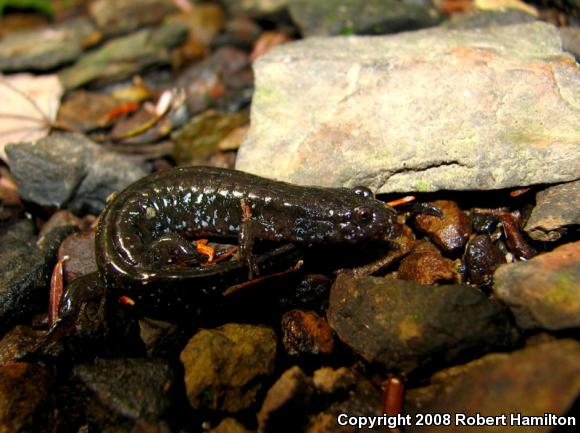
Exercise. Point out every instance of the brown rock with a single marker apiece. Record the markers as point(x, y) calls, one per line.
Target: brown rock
point(482, 258)
point(426, 265)
point(306, 332)
point(543, 292)
point(224, 366)
point(539, 380)
point(449, 232)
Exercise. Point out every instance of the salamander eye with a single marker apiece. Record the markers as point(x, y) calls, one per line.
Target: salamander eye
point(363, 215)
point(363, 191)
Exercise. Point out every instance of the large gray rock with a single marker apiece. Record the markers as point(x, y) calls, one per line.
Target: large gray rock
point(422, 111)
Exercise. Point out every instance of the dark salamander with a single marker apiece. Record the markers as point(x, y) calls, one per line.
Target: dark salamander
point(164, 211)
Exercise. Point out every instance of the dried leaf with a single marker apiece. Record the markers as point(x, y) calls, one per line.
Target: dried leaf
point(29, 107)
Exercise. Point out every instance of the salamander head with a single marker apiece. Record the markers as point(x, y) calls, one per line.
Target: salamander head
point(342, 215)
point(367, 218)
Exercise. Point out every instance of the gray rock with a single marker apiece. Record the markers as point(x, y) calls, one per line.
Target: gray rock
point(534, 381)
point(334, 17)
point(68, 170)
point(422, 111)
point(123, 57)
point(44, 49)
point(543, 292)
point(146, 385)
point(405, 326)
point(556, 209)
point(25, 269)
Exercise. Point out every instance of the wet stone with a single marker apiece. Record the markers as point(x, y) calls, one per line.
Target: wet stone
point(555, 212)
point(44, 49)
point(68, 170)
point(426, 265)
point(17, 343)
point(123, 16)
point(534, 381)
point(514, 238)
point(407, 326)
point(285, 403)
point(80, 249)
point(146, 389)
point(86, 111)
point(449, 232)
point(24, 394)
point(224, 366)
point(306, 332)
point(482, 258)
point(543, 292)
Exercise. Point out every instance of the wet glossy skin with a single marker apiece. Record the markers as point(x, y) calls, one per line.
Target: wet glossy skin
point(193, 202)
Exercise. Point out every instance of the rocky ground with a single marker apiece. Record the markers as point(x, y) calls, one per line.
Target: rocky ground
point(471, 307)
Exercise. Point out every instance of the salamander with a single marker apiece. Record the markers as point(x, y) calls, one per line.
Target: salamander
point(164, 211)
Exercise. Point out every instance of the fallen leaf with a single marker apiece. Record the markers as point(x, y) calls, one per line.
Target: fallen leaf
point(29, 107)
